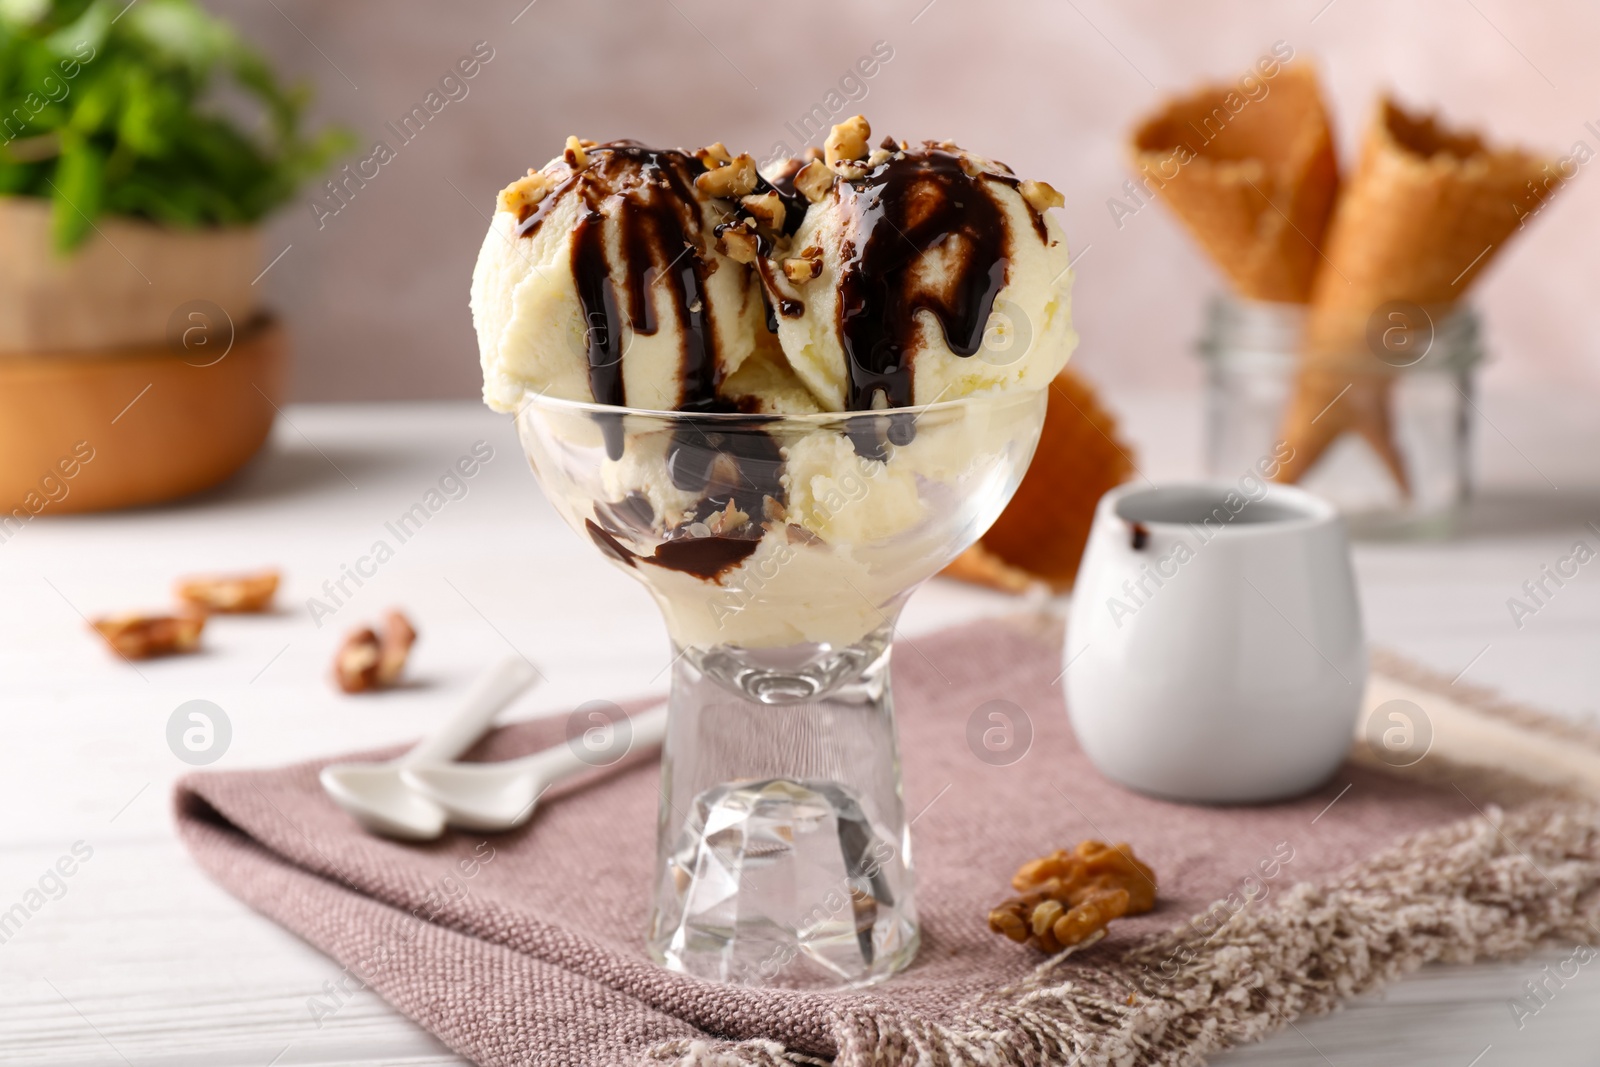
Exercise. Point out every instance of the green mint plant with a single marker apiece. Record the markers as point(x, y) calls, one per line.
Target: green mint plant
point(153, 109)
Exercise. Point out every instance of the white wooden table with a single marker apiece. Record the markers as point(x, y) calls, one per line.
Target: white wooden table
point(136, 958)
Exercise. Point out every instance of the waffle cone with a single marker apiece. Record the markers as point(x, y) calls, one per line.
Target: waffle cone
point(1253, 180)
point(1042, 533)
point(1427, 210)
point(979, 566)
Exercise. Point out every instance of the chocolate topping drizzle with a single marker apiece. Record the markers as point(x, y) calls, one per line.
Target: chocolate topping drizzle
point(902, 209)
point(789, 307)
point(607, 542)
point(1037, 216)
point(704, 557)
point(662, 240)
point(602, 330)
point(782, 181)
point(794, 211)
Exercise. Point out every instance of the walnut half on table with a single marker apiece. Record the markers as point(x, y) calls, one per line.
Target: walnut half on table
point(229, 593)
point(134, 636)
point(1067, 897)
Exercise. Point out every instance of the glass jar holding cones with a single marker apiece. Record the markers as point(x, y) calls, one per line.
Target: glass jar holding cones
point(1344, 359)
point(1392, 416)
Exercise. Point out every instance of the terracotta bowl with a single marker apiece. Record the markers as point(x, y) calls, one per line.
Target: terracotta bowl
point(122, 427)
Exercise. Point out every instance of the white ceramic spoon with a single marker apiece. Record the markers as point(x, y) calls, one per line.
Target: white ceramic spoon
point(375, 794)
point(500, 796)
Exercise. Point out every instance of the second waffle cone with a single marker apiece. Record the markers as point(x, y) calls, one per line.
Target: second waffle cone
point(1425, 212)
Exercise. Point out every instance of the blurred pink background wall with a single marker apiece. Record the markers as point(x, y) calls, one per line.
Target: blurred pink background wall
point(377, 294)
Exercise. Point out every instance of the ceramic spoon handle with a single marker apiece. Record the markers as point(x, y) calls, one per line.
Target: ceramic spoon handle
point(556, 764)
point(499, 687)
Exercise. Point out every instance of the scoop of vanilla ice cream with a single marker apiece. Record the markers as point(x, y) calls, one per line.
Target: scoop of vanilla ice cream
point(642, 471)
point(765, 384)
point(844, 497)
point(941, 275)
point(775, 597)
point(601, 272)
point(762, 305)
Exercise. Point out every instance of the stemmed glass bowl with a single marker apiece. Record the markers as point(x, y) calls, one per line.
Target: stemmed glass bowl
point(781, 549)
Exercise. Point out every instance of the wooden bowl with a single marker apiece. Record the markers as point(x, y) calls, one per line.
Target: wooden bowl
point(118, 428)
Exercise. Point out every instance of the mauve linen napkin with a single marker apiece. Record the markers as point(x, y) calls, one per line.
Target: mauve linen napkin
point(527, 947)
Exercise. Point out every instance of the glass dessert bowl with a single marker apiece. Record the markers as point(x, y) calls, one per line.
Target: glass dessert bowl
point(781, 549)
point(787, 396)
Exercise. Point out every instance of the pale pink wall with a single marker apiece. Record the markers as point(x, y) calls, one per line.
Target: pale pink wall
point(377, 297)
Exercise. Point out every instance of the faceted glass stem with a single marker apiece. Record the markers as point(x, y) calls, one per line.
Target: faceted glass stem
point(783, 854)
